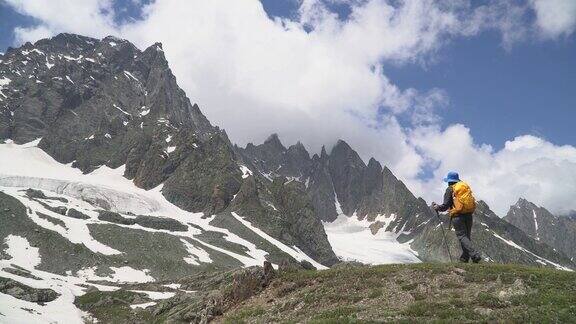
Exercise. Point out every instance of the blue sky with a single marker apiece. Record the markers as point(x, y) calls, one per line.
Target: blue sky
point(499, 93)
point(493, 72)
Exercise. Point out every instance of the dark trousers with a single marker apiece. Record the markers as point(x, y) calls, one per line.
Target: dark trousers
point(463, 227)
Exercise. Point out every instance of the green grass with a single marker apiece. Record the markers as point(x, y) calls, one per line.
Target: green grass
point(110, 306)
point(341, 314)
point(488, 300)
point(375, 293)
point(423, 292)
point(240, 316)
point(452, 310)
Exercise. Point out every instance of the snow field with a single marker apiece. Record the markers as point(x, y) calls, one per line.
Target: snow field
point(352, 240)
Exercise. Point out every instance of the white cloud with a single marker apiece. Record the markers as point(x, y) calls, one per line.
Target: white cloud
point(526, 166)
point(317, 78)
point(88, 17)
point(555, 17)
point(24, 34)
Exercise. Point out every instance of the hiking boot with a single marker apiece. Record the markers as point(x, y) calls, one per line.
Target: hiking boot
point(476, 259)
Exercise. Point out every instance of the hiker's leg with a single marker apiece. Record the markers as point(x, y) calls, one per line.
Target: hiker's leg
point(460, 228)
point(460, 225)
point(469, 221)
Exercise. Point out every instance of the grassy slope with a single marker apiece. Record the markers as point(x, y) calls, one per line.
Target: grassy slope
point(415, 293)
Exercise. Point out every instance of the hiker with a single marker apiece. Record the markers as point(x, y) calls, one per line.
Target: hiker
point(460, 204)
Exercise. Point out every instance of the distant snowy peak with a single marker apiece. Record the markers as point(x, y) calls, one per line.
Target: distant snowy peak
point(557, 231)
point(341, 177)
point(528, 214)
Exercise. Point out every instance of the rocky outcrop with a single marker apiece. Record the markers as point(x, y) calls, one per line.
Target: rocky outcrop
point(207, 179)
point(216, 294)
point(161, 223)
point(321, 189)
point(27, 293)
point(346, 170)
point(283, 210)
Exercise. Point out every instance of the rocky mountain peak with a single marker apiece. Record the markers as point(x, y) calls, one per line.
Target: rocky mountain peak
point(341, 146)
point(373, 164)
point(273, 142)
point(342, 153)
point(299, 151)
point(524, 203)
point(155, 51)
point(323, 154)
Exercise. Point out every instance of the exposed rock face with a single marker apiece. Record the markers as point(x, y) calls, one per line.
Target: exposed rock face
point(558, 232)
point(271, 157)
point(346, 169)
point(27, 293)
point(216, 294)
point(161, 223)
point(321, 189)
point(207, 178)
point(76, 214)
point(283, 210)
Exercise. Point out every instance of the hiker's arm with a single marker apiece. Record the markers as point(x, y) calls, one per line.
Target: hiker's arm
point(447, 201)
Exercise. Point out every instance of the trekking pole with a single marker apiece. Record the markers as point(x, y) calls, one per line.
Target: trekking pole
point(444, 236)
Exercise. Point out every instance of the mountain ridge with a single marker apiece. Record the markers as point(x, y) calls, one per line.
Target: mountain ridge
point(557, 231)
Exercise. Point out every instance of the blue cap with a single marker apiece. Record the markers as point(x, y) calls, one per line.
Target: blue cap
point(452, 177)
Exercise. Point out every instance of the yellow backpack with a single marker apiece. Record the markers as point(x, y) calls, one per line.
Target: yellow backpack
point(464, 202)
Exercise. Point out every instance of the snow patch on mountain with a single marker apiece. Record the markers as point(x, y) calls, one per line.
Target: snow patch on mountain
point(4, 81)
point(539, 258)
point(197, 255)
point(75, 230)
point(535, 225)
point(120, 274)
point(156, 295)
point(352, 240)
point(245, 171)
point(21, 251)
point(143, 305)
point(61, 310)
